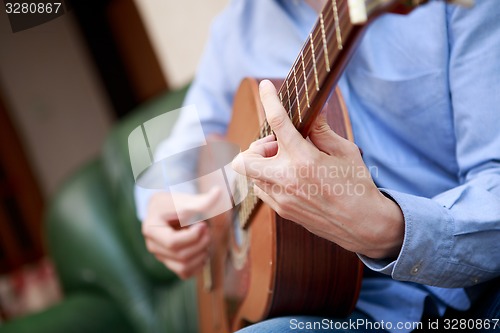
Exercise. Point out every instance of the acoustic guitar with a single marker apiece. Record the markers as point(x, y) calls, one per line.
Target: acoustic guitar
point(263, 266)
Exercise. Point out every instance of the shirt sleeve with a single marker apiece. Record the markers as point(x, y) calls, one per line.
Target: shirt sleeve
point(207, 104)
point(453, 239)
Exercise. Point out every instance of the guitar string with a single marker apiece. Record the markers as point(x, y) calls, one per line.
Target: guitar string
point(322, 73)
point(341, 5)
point(285, 91)
point(307, 53)
point(295, 92)
point(249, 203)
point(316, 31)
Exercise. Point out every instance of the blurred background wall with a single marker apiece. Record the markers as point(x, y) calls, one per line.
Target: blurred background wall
point(187, 30)
point(63, 84)
point(53, 96)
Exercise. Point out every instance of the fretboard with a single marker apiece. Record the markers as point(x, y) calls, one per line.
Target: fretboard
point(318, 64)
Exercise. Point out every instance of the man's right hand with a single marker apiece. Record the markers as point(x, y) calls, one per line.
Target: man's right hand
point(182, 250)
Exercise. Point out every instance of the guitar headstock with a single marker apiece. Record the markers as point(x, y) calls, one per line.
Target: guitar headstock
point(360, 11)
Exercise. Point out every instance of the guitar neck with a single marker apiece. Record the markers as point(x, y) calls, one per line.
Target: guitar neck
point(313, 75)
point(318, 66)
point(321, 62)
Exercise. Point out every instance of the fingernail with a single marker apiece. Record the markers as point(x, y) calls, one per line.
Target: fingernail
point(235, 163)
point(264, 84)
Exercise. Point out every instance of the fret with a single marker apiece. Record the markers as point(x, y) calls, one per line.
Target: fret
point(296, 96)
point(314, 61)
point(289, 98)
point(328, 29)
point(337, 25)
point(325, 47)
point(316, 68)
point(305, 79)
point(281, 98)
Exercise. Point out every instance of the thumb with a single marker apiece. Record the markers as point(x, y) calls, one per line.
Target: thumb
point(324, 138)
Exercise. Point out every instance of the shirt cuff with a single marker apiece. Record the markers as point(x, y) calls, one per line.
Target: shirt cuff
point(427, 241)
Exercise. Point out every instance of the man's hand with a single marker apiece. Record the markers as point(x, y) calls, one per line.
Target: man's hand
point(324, 186)
point(183, 250)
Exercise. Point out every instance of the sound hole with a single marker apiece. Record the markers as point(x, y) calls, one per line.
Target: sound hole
point(239, 242)
point(237, 266)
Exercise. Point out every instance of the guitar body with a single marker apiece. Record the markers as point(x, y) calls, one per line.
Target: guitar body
point(274, 267)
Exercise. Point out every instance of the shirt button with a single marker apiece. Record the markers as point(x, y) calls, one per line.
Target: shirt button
point(475, 280)
point(415, 269)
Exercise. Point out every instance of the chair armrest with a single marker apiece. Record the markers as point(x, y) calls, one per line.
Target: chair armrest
point(80, 313)
point(88, 253)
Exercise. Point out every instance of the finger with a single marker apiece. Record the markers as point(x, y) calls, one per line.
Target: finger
point(188, 237)
point(266, 146)
point(175, 240)
point(194, 204)
point(264, 149)
point(187, 270)
point(277, 116)
point(267, 138)
point(171, 207)
point(188, 253)
point(264, 196)
point(251, 164)
point(183, 254)
point(325, 139)
point(255, 166)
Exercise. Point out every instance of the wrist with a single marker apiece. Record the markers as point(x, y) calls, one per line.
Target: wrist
point(389, 233)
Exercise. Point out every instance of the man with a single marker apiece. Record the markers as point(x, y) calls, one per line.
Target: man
point(423, 96)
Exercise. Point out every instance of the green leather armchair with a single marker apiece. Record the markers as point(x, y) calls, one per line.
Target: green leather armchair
point(110, 282)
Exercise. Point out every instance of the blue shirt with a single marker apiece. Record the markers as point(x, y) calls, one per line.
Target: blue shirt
point(423, 93)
